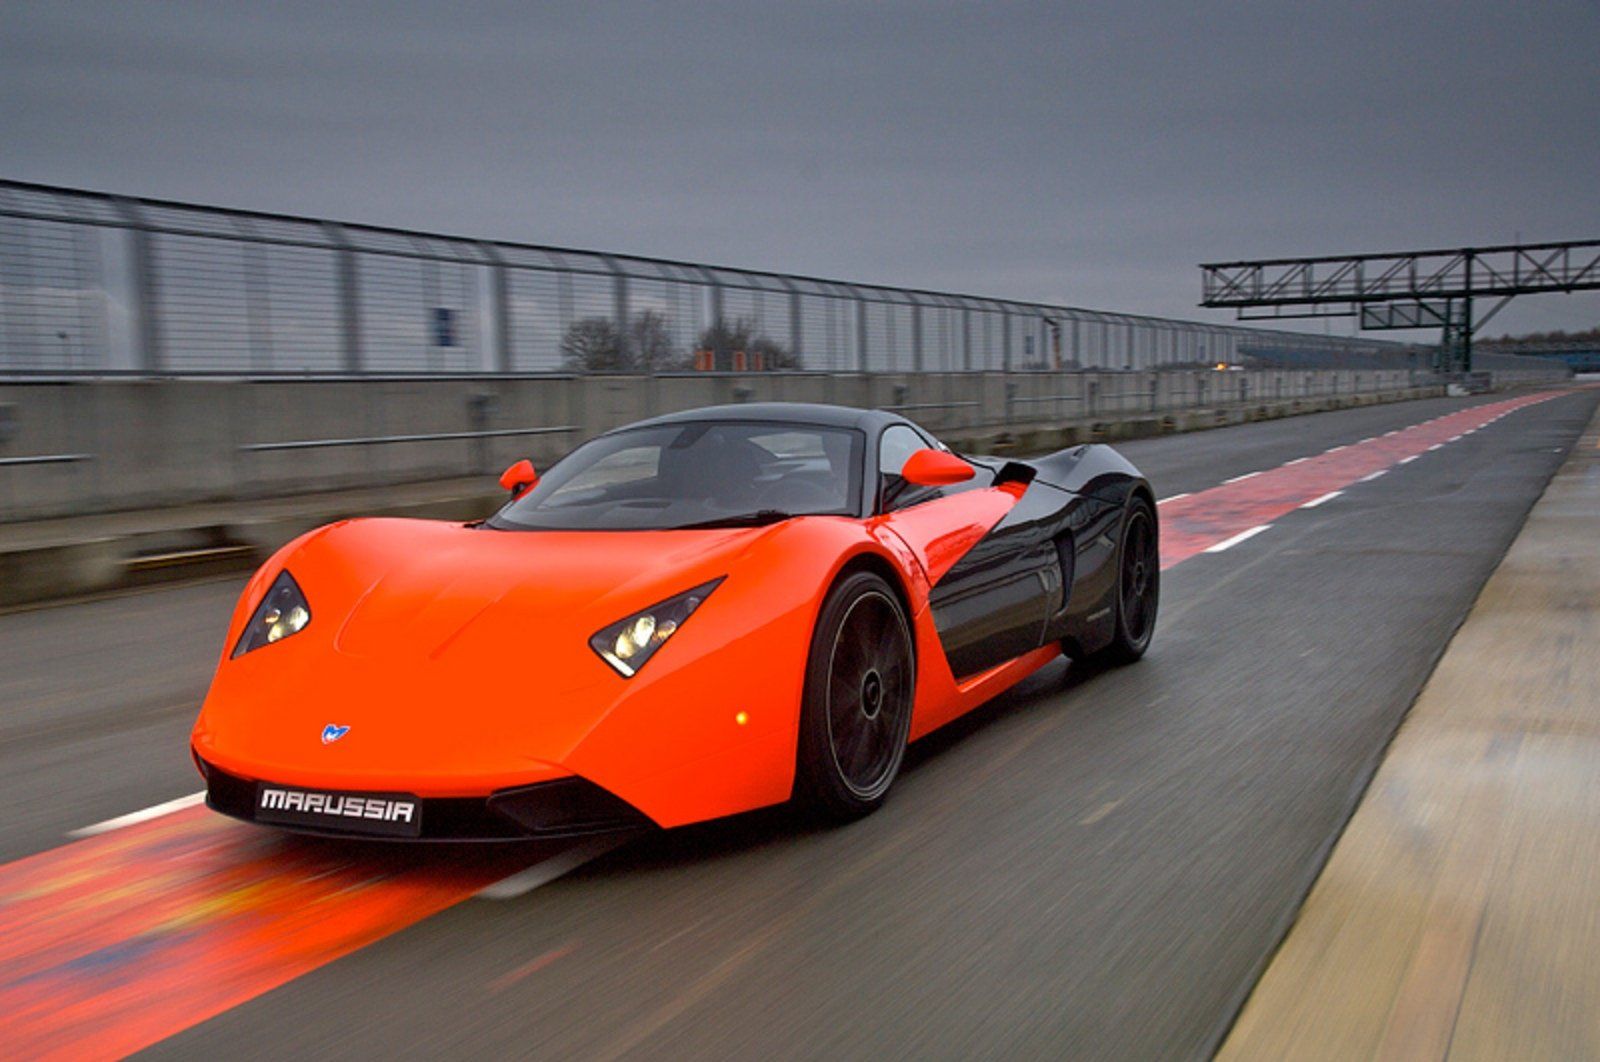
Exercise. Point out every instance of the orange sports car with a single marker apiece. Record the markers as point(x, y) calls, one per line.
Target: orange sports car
point(700, 614)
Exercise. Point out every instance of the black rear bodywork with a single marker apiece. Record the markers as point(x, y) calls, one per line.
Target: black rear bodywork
point(1047, 572)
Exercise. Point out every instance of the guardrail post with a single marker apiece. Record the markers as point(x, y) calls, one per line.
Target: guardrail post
point(716, 308)
point(349, 297)
point(966, 339)
point(500, 307)
point(861, 334)
point(147, 353)
point(619, 297)
point(916, 336)
point(796, 337)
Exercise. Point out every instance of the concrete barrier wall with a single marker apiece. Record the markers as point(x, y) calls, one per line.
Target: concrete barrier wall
point(126, 444)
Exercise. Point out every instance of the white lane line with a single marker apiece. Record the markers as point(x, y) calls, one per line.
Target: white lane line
point(1436, 446)
point(545, 871)
point(1368, 439)
point(1454, 438)
point(1408, 460)
point(1370, 476)
point(1335, 449)
point(1328, 497)
point(1389, 433)
point(1175, 497)
point(133, 818)
point(1247, 475)
point(1296, 461)
point(1229, 543)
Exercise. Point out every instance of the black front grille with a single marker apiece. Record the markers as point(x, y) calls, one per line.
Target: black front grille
point(567, 807)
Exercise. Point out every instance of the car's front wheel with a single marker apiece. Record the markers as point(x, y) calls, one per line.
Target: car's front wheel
point(858, 694)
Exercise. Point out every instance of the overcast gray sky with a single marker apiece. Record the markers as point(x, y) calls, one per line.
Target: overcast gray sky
point(1084, 154)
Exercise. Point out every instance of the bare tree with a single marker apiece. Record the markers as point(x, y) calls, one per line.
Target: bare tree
point(593, 344)
point(650, 342)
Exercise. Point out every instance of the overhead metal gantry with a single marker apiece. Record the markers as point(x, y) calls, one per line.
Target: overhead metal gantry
point(1408, 289)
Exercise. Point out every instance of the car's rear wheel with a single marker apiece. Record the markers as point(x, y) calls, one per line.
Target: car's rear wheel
point(1138, 585)
point(858, 695)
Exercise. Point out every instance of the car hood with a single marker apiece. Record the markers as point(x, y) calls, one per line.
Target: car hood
point(418, 590)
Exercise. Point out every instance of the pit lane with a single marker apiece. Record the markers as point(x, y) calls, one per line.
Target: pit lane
point(1093, 864)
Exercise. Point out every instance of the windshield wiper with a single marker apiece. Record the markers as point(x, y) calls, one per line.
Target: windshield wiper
point(754, 519)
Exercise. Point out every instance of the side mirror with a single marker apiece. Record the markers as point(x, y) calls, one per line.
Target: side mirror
point(519, 478)
point(935, 468)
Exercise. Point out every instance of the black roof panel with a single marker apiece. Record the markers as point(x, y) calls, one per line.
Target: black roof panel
point(782, 413)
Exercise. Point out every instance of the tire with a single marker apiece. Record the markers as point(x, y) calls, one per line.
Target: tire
point(1138, 591)
point(856, 712)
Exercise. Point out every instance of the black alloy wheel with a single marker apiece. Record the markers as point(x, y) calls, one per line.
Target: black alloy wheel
point(1138, 585)
point(858, 696)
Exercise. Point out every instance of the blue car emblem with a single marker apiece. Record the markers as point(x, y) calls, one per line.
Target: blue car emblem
point(333, 732)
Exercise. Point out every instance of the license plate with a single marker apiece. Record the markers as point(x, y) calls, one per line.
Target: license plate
point(378, 814)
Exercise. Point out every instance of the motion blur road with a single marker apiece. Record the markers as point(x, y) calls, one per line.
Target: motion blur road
point(1094, 865)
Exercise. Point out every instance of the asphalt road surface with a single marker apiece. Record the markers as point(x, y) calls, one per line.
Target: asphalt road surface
point(1094, 865)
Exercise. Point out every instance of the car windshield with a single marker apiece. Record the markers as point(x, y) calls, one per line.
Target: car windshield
point(711, 473)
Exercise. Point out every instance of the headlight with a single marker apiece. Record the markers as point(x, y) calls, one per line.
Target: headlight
point(628, 643)
point(281, 613)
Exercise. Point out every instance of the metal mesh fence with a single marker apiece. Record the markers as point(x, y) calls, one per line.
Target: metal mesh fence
point(97, 284)
point(50, 294)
